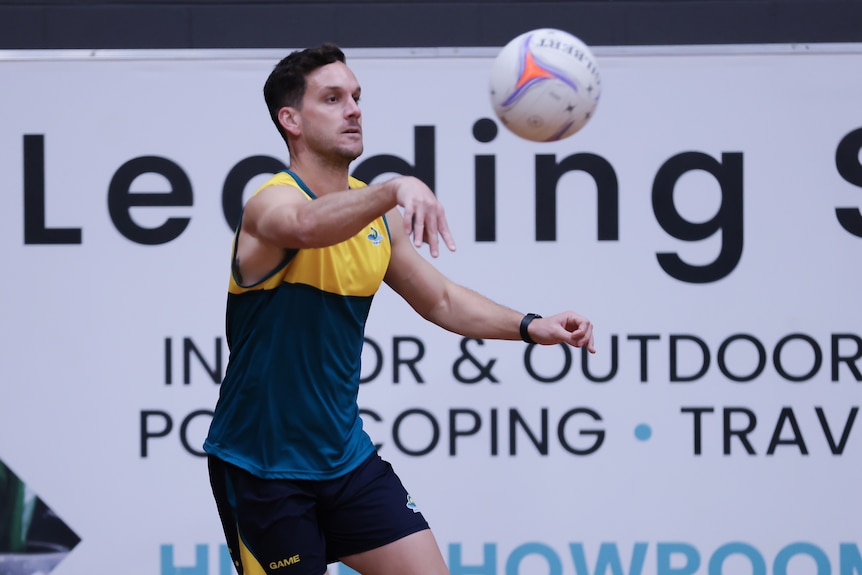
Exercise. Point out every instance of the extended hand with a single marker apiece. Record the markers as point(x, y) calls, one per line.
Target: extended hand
point(424, 216)
point(566, 327)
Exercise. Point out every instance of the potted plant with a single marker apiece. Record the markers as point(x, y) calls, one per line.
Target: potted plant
point(16, 511)
point(18, 554)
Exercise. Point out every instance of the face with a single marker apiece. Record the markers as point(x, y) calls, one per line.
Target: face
point(329, 121)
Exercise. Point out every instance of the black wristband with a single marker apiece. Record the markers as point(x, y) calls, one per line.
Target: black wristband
point(525, 335)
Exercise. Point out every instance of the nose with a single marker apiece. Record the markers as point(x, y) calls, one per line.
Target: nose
point(352, 109)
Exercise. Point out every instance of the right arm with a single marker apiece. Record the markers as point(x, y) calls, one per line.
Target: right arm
point(282, 216)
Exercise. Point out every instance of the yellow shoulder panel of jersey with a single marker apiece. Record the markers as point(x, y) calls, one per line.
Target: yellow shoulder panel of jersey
point(354, 267)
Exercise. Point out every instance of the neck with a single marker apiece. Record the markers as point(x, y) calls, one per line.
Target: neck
point(320, 176)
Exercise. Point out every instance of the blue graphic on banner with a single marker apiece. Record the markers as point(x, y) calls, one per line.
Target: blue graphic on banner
point(671, 558)
point(201, 565)
point(662, 558)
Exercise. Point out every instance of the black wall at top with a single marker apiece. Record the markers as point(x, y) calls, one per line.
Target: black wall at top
point(134, 24)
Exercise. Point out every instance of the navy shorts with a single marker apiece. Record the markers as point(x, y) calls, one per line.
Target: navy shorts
point(297, 527)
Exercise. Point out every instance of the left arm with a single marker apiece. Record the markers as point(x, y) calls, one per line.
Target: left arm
point(462, 310)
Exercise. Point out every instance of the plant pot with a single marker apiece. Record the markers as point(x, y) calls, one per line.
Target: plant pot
point(39, 559)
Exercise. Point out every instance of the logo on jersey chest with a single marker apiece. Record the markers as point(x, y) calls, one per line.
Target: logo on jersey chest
point(374, 237)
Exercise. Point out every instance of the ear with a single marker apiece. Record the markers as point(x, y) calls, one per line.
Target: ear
point(290, 120)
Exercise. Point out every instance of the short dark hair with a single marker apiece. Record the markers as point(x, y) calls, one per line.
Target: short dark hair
point(286, 83)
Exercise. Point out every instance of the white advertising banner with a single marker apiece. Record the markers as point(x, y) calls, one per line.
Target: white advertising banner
point(708, 220)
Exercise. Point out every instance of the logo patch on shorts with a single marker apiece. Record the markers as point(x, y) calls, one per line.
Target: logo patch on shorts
point(286, 562)
point(412, 504)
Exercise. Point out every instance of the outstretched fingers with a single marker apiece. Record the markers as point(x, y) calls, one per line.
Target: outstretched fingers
point(436, 229)
point(408, 217)
point(432, 233)
point(419, 224)
point(443, 228)
point(424, 216)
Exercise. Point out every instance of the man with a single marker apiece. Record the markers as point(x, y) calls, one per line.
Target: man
point(297, 482)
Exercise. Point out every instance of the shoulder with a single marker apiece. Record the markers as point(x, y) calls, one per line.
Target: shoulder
point(279, 179)
point(354, 183)
point(278, 191)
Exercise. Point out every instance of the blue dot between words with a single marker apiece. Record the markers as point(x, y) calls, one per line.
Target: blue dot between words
point(643, 432)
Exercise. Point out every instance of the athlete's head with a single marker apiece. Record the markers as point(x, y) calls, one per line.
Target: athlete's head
point(286, 84)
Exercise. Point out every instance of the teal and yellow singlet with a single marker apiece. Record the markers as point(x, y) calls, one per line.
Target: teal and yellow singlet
point(287, 407)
